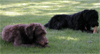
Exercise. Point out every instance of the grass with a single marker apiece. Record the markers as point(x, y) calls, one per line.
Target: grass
point(65, 41)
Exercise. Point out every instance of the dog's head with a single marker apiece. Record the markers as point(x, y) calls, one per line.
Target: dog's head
point(91, 17)
point(37, 33)
point(40, 35)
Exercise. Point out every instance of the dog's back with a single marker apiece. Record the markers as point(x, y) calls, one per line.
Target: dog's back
point(10, 31)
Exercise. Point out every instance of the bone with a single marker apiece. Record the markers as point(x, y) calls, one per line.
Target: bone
point(95, 29)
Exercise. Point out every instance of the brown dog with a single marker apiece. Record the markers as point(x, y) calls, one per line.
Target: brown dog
point(24, 34)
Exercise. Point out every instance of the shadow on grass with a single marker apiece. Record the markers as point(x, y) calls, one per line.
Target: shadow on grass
point(46, 7)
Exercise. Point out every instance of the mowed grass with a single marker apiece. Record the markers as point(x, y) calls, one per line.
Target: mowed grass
point(65, 41)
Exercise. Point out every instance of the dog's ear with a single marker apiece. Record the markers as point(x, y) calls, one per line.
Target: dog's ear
point(29, 30)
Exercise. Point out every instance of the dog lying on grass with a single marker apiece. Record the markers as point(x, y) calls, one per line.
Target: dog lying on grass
point(83, 21)
point(26, 35)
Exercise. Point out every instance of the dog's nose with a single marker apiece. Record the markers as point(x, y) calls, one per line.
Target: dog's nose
point(46, 43)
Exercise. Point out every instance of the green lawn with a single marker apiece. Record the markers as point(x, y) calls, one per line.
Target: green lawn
point(66, 41)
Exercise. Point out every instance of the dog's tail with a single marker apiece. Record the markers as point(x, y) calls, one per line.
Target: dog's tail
point(46, 25)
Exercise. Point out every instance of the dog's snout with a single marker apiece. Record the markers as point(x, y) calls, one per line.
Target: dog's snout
point(46, 43)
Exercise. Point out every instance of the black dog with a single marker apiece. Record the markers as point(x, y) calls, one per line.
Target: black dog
point(83, 21)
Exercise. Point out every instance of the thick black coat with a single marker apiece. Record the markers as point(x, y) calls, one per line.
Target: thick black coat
point(83, 21)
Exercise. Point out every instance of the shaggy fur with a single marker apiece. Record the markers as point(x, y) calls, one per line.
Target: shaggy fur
point(83, 21)
point(24, 34)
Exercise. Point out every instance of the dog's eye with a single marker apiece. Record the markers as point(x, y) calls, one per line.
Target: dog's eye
point(41, 33)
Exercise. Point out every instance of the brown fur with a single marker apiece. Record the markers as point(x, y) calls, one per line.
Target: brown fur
point(24, 34)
